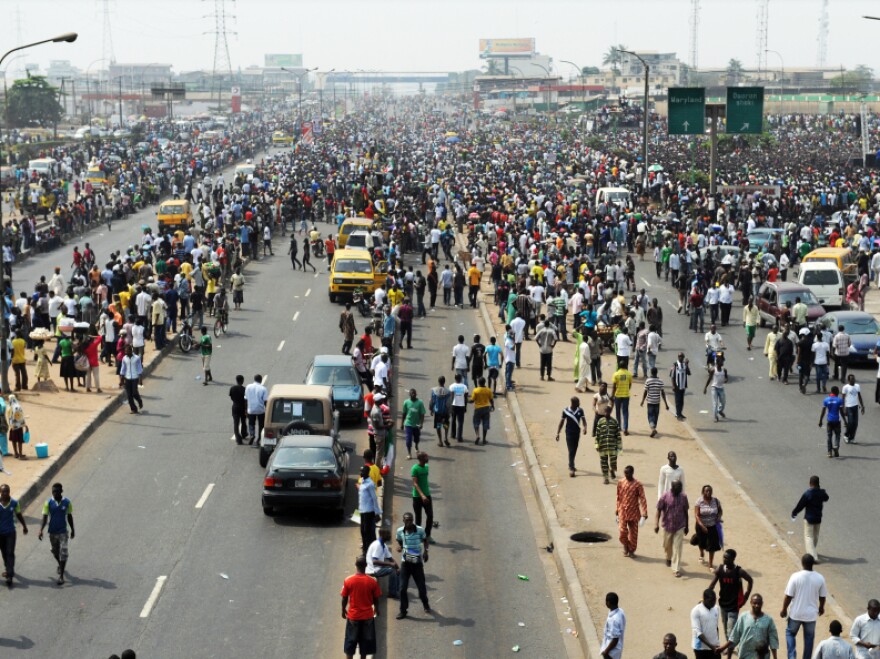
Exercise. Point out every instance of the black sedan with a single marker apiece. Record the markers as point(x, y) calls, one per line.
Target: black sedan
point(306, 471)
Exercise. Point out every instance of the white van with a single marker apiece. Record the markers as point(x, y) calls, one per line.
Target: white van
point(43, 167)
point(620, 197)
point(825, 280)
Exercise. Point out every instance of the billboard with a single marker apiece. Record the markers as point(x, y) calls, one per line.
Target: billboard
point(286, 60)
point(507, 48)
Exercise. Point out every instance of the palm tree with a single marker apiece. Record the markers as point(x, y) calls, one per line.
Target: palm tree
point(612, 57)
point(734, 71)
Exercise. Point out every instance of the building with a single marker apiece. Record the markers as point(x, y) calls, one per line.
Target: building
point(135, 76)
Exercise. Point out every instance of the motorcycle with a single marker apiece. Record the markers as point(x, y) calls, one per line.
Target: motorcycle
point(361, 303)
point(318, 248)
point(712, 357)
point(185, 337)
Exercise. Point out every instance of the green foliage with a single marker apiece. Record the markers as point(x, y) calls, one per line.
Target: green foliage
point(590, 70)
point(34, 102)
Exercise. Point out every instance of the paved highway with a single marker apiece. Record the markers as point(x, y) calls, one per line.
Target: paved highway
point(771, 443)
point(151, 570)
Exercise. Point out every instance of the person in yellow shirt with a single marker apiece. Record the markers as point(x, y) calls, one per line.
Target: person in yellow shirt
point(538, 274)
point(484, 405)
point(19, 362)
point(474, 276)
point(395, 296)
point(186, 268)
point(620, 393)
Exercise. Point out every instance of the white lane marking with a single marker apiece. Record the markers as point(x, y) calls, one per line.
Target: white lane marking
point(295, 316)
point(265, 379)
point(280, 346)
point(316, 275)
point(151, 600)
point(307, 292)
point(205, 495)
point(672, 304)
point(647, 283)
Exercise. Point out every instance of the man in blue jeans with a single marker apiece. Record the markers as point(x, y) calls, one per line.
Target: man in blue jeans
point(805, 594)
point(832, 405)
point(380, 562)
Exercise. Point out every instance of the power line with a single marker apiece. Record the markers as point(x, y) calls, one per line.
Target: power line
point(222, 61)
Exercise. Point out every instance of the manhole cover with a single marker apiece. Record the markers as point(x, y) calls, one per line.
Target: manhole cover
point(590, 536)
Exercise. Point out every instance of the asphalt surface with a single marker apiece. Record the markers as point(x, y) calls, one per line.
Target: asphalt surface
point(490, 528)
point(771, 443)
point(151, 571)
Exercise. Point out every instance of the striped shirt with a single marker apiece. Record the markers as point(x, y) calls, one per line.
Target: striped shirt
point(653, 389)
point(841, 343)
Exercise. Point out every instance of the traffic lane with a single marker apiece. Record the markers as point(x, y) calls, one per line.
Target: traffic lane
point(772, 445)
point(486, 535)
point(103, 241)
point(152, 468)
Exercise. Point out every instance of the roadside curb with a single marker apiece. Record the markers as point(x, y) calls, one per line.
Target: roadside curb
point(583, 617)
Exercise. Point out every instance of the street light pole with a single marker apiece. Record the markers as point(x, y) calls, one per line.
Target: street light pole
point(68, 37)
point(781, 64)
point(580, 74)
point(88, 92)
point(645, 126)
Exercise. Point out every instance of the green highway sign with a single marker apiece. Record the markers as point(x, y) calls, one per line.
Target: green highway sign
point(745, 110)
point(687, 110)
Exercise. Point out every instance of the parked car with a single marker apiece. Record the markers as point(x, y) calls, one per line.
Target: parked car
point(863, 330)
point(338, 372)
point(773, 297)
point(759, 237)
point(825, 280)
point(306, 471)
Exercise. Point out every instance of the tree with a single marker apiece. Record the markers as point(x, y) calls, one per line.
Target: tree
point(34, 102)
point(858, 78)
point(590, 70)
point(613, 56)
point(734, 71)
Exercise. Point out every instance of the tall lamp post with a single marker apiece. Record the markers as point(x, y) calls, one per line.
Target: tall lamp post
point(68, 37)
point(547, 71)
point(580, 74)
point(781, 64)
point(88, 92)
point(645, 126)
point(299, 77)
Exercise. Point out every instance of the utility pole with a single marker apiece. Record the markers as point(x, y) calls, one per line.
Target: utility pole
point(120, 102)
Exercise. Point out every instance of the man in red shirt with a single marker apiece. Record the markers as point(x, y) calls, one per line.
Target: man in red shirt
point(330, 247)
point(360, 608)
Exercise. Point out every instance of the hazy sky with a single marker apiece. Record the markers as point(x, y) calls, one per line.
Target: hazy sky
point(429, 35)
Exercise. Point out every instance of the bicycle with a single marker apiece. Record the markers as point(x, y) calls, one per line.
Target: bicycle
point(222, 323)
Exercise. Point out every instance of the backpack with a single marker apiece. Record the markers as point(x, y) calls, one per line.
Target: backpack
point(438, 404)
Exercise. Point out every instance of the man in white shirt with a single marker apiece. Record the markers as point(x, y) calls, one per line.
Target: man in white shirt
point(615, 628)
point(460, 355)
point(852, 402)
point(518, 325)
point(623, 349)
point(654, 343)
point(865, 632)
point(820, 361)
point(380, 372)
point(725, 301)
point(380, 562)
point(459, 392)
point(704, 625)
point(805, 594)
point(669, 473)
point(256, 396)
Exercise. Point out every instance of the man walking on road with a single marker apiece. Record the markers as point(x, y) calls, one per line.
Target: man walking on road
point(717, 378)
point(673, 508)
point(852, 402)
point(632, 509)
point(704, 623)
point(608, 444)
point(840, 345)
point(484, 405)
point(805, 593)
point(753, 634)
point(865, 631)
point(421, 493)
point(615, 629)
point(413, 542)
point(256, 396)
point(348, 328)
point(573, 418)
point(9, 511)
point(620, 393)
point(440, 400)
point(411, 421)
point(360, 608)
point(206, 348)
point(653, 393)
point(811, 502)
point(679, 375)
point(832, 405)
point(131, 370)
point(459, 392)
point(731, 595)
point(58, 513)
point(545, 337)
